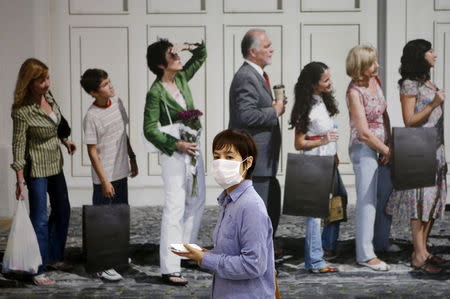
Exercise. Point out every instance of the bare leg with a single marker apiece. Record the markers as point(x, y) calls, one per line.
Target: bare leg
point(420, 253)
point(428, 228)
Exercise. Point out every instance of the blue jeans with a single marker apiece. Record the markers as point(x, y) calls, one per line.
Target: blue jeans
point(120, 196)
point(313, 242)
point(51, 231)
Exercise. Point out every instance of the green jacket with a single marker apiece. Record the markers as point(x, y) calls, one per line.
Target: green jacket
point(155, 111)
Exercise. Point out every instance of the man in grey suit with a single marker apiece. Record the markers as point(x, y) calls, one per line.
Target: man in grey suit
point(253, 108)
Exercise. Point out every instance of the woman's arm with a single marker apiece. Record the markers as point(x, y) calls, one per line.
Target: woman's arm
point(164, 142)
point(195, 62)
point(411, 119)
point(302, 144)
point(20, 127)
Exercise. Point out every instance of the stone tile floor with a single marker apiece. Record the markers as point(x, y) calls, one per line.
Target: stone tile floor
point(141, 277)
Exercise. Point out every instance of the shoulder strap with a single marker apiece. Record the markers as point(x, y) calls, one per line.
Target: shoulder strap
point(167, 111)
point(379, 81)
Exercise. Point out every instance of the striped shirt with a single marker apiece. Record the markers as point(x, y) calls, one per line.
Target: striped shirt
point(106, 128)
point(35, 140)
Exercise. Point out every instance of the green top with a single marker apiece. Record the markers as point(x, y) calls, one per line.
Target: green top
point(35, 140)
point(155, 111)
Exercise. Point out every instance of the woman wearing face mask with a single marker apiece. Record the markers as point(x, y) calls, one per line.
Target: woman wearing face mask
point(422, 106)
point(38, 163)
point(369, 139)
point(315, 135)
point(242, 259)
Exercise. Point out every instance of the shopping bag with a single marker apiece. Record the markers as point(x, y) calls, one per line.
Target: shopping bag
point(308, 185)
point(414, 163)
point(22, 250)
point(106, 236)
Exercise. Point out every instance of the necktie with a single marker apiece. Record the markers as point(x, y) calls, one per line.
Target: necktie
point(266, 78)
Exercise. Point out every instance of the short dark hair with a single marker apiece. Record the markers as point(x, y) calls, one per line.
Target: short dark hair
point(156, 55)
point(413, 63)
point(92, 78)
point(249, 41)
point(242, 141)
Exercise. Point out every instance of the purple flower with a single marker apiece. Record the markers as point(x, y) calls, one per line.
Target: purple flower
point(190, 118)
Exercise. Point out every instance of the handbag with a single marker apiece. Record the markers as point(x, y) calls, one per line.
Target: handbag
point(338, 202)
point(307, 186)
point(106, 236)
point(414, 163)
point(172, 130)
point(63, 130)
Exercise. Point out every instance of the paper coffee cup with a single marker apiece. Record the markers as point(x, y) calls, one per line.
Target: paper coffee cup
point(279, 92)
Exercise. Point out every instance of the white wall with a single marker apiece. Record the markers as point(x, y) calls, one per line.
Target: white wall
point(24, 33)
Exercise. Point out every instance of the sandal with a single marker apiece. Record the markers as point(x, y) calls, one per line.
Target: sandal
point(425, 268)
point(42, 279)
point(324, 270)
point(174, 279)
point(437, 261)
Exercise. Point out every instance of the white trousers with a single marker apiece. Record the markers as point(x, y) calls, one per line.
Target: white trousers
point(182, 213)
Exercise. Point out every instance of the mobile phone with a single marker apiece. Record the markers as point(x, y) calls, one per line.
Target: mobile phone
point(181, 249)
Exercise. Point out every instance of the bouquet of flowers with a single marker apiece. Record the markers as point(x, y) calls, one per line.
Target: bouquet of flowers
point(190, 129)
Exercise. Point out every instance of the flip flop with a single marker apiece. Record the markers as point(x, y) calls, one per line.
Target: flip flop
point(174, 279)
point(42, 279)
point(381, 266)
point(324, 270)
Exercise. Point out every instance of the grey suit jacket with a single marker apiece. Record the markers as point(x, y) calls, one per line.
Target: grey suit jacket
point(251, 109)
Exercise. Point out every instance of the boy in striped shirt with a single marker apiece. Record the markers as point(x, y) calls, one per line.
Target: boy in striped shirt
point(108, 145)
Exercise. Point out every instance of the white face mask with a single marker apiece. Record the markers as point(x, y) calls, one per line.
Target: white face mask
point(227, 172)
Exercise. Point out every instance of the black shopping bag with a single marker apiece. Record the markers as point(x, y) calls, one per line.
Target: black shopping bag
point(308, 185)
point(414, 163)
point(106, 236)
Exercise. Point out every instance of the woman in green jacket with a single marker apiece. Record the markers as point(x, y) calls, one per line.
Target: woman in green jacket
point(184, 200)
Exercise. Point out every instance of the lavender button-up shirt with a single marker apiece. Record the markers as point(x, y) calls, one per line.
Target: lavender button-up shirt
point(242, 259)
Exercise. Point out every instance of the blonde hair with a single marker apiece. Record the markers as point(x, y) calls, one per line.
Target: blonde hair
point(359, 59)
point(31, 70)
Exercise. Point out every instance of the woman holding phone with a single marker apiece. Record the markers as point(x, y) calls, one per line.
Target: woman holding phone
point(242, 260)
